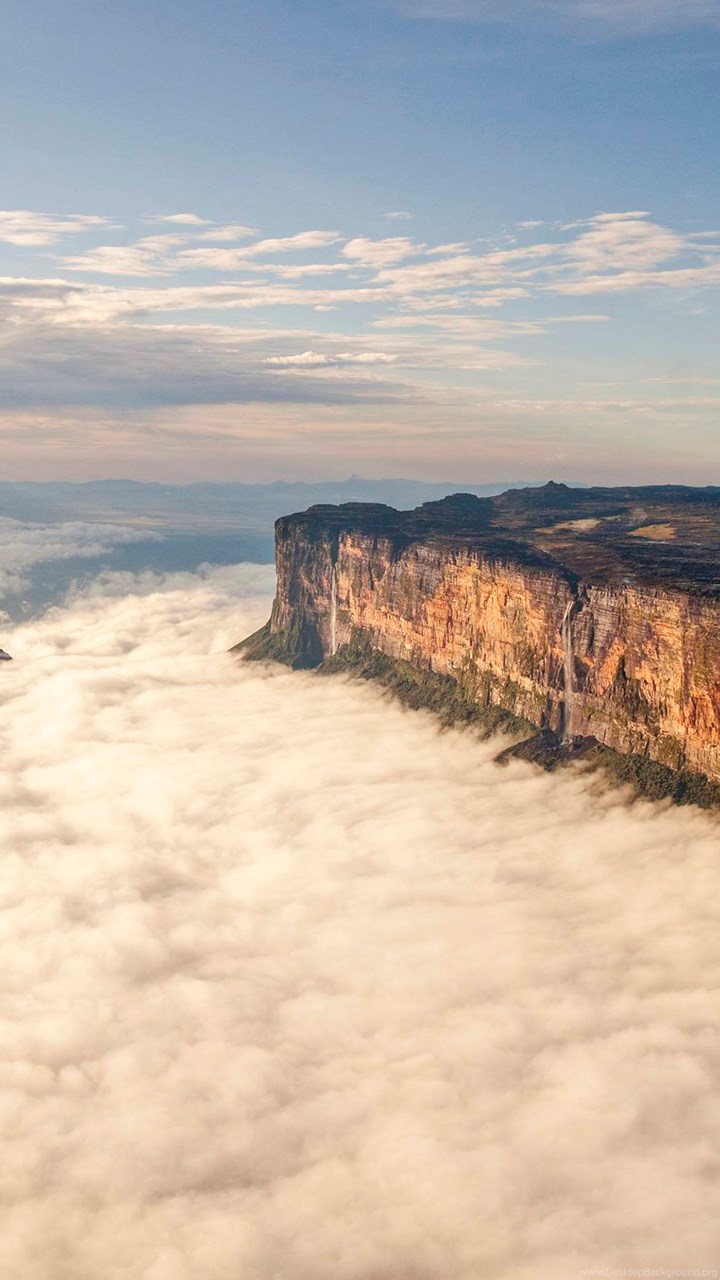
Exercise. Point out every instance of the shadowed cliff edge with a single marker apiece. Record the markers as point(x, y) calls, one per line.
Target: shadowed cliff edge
point(584, 622)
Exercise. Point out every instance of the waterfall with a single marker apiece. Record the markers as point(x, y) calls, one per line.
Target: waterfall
point(569, 675)
point(333, 611)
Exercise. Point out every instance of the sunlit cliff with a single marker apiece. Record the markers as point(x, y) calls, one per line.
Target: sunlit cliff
point(594, 614)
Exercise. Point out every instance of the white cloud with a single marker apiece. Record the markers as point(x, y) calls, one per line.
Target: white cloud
point(470, 328)
point(296, 270)
point(142, 336)
point(227, 259)
point(128, 367)
point(618, 242)
point(65, 302)
point(181, 219)
point(579, 319)
point(296, 243)
point(35, 230)
point(23, 546)
point(614, 16)
point(280, 1005)
point(579, 409)
point(233, 231)
point(631, 281)
point(235, 259)
point(400, 215)
point(630, 215)
point(454, 247)
point(340, 358)
point(147, 257)
point(461, 270)
point(380, 253)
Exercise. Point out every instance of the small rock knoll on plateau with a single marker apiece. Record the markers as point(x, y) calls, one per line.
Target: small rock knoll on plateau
point(589, 615)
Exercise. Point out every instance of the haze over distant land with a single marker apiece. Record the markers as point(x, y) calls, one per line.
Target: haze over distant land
point(214, 506)
point(56, 535)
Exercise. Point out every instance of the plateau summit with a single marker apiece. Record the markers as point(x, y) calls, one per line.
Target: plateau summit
point(582, 619)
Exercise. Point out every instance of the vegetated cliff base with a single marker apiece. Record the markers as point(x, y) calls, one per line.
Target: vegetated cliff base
point(591, 614)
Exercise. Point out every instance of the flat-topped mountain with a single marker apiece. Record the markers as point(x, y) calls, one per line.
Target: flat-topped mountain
point(657, 534)
point(592, 615)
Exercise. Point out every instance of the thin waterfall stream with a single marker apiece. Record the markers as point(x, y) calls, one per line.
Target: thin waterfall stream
point(333, 611)
point(569, 674)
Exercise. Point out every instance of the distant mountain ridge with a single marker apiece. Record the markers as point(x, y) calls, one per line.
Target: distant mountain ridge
point(209, 505)
point(176, 528)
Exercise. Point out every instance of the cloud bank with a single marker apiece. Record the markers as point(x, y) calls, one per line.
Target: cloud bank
point(295, 986)
point(23, 546)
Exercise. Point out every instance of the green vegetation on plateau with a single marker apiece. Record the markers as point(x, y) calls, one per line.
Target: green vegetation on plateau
point(422, 689)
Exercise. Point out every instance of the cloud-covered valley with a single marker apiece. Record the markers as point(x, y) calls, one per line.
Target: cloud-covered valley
point(296, 986)
point(25, 546)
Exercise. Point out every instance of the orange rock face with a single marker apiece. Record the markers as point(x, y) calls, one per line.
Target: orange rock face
point(635, 667)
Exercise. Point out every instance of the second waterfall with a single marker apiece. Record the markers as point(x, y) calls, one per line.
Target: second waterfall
point(333, 611)
point(568, 727)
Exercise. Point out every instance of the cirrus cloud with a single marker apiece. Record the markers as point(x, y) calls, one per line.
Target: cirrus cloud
point(161, 323)
point(36, 230)
point(380, 253)
point(315, 359)
point(611, 16)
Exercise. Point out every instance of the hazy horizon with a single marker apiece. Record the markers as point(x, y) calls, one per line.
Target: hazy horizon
point(343, 478)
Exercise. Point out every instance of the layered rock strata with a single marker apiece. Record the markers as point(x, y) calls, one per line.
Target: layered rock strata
point(631, 662)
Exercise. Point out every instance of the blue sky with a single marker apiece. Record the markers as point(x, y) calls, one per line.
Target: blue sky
point(434, 238)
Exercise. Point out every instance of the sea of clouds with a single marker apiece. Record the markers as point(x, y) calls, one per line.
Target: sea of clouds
point(295, 987)
point(25, 545)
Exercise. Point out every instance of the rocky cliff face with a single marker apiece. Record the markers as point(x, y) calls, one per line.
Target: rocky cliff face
point(627, 660)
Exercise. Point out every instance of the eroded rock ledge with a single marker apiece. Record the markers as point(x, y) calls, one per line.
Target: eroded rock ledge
point(592, 615)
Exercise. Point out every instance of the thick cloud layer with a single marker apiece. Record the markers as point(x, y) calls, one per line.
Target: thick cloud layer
point(296, 987)
point(23, 546)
